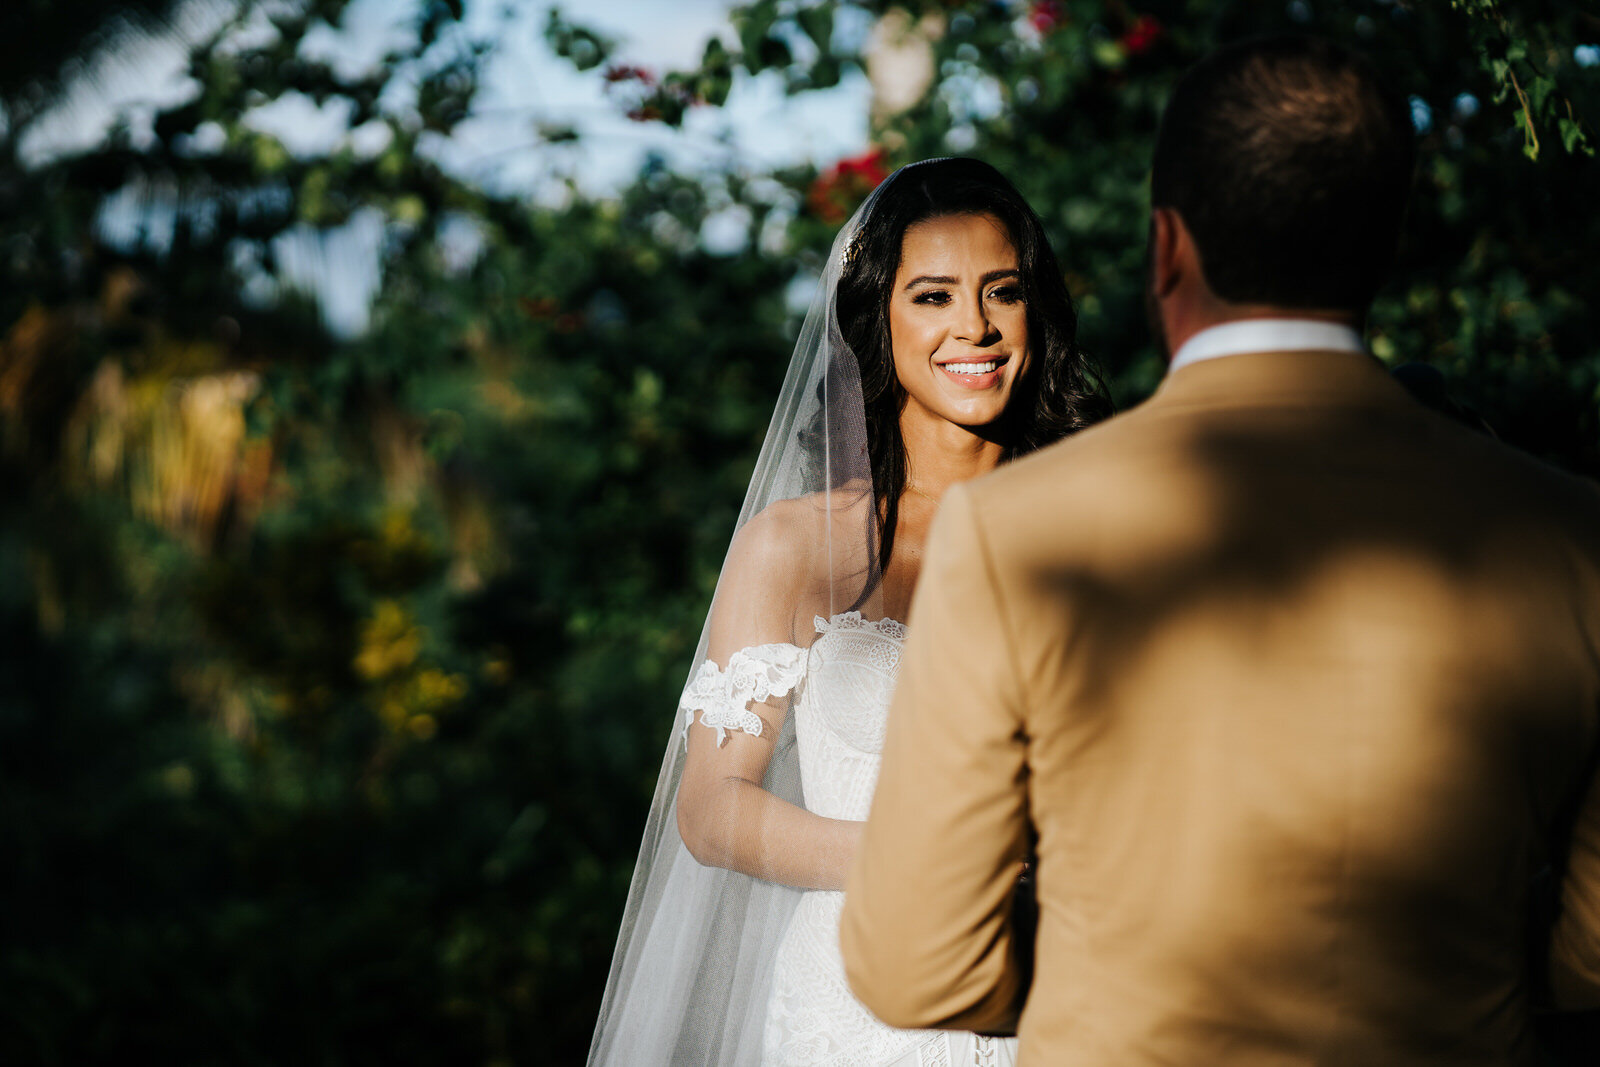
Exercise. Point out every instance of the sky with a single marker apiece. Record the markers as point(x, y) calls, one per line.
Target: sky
point(498, 146)
point(525, 86)
point(759, 128)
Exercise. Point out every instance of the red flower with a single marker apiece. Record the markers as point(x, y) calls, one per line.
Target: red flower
point(841, 187)
point(623, 72)
point(1144, 33)
point(868, 166)
point(1046, 15)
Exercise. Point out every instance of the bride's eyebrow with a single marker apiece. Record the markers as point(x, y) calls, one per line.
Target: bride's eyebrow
point(945, 279)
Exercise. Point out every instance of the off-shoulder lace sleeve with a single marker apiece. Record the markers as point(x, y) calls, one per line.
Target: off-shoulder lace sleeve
point(723, 697)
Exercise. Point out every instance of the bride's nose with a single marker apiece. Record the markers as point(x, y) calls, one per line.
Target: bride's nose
point(974, 326)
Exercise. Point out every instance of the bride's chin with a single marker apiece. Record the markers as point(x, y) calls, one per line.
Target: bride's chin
point(978, 416)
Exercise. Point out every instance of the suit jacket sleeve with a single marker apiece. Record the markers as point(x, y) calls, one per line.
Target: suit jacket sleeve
point(926, 933)
point(1575, 943)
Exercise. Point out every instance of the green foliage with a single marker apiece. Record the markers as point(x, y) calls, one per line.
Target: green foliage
point(40, 39)
point(582, 47)
point(1064, 97)
point(341, 668)
point(1529, 58)
point(335, 743)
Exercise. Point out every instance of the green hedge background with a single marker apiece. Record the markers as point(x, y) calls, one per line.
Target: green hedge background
point(337, 671)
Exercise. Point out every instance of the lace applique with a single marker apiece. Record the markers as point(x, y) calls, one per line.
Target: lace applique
point(852, 620)
point(754, 675)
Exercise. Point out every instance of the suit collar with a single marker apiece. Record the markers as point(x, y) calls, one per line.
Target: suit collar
point(1327, 377)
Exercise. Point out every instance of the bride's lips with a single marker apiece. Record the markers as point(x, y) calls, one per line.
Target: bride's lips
point(980, 376)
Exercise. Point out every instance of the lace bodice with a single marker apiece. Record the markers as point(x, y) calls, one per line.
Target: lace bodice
point(841, 715)
point(842, 686)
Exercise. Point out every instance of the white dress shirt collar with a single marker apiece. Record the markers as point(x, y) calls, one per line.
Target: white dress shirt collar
point(1266, 335)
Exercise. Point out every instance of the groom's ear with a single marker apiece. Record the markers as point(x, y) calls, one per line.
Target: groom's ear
point(1172, 252)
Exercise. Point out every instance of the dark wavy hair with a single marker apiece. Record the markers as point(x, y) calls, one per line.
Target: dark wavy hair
point(1060, 393)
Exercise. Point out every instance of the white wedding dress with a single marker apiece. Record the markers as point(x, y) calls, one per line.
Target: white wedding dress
point(841, 707)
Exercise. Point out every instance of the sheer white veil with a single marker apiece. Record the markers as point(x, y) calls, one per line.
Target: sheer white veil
point(690, 978)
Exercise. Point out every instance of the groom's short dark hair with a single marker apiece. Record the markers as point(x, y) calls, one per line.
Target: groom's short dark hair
point(1290, 163)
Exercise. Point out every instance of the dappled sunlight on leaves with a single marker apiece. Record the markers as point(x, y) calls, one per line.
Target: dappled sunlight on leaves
point(341, 661)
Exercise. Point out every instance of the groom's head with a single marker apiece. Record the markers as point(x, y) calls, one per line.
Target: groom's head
point(1286, 164)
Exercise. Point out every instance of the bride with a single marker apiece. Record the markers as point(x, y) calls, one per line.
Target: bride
point(941, 344)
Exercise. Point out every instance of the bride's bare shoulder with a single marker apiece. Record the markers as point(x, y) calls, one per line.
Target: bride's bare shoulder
point(798, 534)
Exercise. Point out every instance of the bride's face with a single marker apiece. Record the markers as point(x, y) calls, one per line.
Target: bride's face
point(958, 320)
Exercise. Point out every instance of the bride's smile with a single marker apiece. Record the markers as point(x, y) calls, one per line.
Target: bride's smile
point(976, 373)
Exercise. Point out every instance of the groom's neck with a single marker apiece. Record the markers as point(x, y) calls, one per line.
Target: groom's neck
point(1183, 301)
point(1184, 317)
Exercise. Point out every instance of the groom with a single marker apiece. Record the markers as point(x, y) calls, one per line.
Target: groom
point(1296, 682)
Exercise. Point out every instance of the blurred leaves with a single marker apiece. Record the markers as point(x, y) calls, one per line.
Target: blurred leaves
point(41, 41)
point(1064, 97)
point(340, 666)
point(1529, 55)
point(582, 47)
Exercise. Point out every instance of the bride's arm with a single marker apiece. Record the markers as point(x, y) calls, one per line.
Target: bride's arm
point(725, 816)
point(728, 820)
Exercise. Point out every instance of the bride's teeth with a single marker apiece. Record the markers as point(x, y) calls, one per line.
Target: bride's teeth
point(975, 368)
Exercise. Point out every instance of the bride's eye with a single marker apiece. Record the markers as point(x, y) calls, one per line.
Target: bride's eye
point(936, 297)
point(1007, 294)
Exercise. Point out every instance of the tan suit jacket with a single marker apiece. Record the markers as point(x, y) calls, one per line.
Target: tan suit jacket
point(1299, 686)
